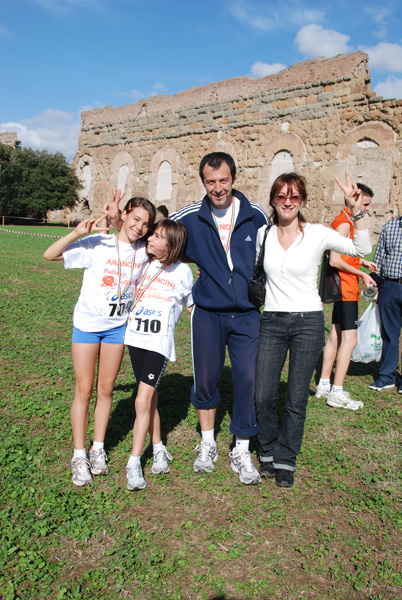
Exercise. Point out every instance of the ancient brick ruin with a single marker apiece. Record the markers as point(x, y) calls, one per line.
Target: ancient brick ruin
point(318, 118)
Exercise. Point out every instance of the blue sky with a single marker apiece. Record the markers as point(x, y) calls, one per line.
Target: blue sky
point(59, 57)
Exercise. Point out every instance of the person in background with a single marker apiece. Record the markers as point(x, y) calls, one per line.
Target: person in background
point(343, 335)
point(293, 319)
point(388, 258)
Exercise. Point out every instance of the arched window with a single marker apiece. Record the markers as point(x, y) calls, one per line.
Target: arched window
point(282, 163)
point(164, 182)
point(85, 176)
point(367, 143)
point(122, 177)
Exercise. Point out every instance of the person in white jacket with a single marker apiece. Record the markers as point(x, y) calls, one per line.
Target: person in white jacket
point(293, 318)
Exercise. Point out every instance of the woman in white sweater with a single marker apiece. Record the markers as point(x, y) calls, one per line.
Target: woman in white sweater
point(293, 318)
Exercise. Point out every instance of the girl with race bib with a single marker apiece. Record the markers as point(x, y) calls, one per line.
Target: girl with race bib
point(112, 264)
point(162, 289)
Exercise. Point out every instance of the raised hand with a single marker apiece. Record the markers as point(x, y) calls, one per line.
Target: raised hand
point(111, 208)
point(352, 194)
point(88, 226)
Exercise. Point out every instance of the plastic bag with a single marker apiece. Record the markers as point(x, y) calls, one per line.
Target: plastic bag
point(369, 342)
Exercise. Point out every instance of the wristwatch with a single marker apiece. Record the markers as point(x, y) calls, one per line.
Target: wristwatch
point(359, 215)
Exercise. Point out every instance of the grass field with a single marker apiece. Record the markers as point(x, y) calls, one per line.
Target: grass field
point(335, 535)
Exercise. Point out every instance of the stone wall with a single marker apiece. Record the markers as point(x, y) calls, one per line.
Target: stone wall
point(318, 117)
point(9, 137)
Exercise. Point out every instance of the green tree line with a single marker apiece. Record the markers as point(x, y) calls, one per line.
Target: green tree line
point(35, 181)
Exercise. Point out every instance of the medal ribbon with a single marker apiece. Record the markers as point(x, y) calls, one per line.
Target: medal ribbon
point(141, 291)
point(232, 220)
point(119, 292)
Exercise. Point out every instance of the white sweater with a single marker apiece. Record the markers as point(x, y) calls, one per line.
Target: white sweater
point(292, 273)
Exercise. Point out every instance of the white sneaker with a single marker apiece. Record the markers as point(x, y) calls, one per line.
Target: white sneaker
point(207, 456)
point(135, 478)
point(343, 400)
point(160, 464)
point(80, 468)
point(242, 464)
point(320, 390)
point(98, 460)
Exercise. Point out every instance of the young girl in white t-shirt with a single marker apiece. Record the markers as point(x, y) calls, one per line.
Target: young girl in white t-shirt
point(112, 264)
point(165, 284)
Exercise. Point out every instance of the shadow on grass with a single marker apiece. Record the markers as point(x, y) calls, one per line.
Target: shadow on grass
point(173, 405)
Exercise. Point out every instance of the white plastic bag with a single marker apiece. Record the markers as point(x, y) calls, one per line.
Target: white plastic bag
point(369, 342)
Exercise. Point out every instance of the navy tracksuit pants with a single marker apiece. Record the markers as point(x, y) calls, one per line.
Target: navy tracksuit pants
point(211, 332)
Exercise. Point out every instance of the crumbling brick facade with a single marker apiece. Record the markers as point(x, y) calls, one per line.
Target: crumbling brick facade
point(318, 118)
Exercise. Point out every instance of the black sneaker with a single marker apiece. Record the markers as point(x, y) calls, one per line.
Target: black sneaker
point(267, 469)
point(284, 478)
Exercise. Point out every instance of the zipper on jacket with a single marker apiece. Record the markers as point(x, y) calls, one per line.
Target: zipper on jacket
point(234, 289)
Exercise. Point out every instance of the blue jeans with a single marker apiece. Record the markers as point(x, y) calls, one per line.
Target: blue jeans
point(390, 305)
point(303, 335)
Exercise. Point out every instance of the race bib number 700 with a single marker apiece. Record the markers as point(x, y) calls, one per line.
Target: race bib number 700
point(115, 310)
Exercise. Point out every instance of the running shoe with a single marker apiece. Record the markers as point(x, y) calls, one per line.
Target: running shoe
point(343, 400)
point(160, 464)
point(81, 470)
point(135, 478)
point(207, 456)
point(242, 464)
point(98, 460)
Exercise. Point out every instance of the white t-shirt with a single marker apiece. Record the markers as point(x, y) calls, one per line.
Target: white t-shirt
point(153, 319)
point(98, 308)
point(292, 273)
point(225, 219)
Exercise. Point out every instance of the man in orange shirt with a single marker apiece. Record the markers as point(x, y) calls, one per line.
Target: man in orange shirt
point(343, 335)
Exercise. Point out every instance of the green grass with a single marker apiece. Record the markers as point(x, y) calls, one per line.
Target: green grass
point(335, 535)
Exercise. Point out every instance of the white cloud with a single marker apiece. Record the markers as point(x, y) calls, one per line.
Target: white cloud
point(260, 69)
point(268, 17)
point(313, 40)
point(134, 94)
point(247, 14)
point(159, 87)
point(390, 88)
point(300, 16)
point(385, 57)
point(52, 130)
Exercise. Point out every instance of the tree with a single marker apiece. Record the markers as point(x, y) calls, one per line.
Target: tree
point(35, 181)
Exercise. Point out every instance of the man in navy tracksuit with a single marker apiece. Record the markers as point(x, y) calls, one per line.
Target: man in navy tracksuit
point(222, 231)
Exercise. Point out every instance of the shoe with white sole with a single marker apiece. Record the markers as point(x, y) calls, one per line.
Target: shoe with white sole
point(81, 470)
point(135, 478)
point(242, 464)
point(160, 464)
point(343, 400)
point(207, 456)
point(321, 390)
point(98, 460)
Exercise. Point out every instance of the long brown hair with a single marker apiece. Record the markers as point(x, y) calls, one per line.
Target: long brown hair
point(176, 238)
point(145, 204)
point(290, 180)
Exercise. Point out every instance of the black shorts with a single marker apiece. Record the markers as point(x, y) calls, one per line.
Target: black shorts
point(345, 314)
point(148, 366)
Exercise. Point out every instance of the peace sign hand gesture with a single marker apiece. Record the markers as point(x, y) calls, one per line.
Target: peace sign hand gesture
point(353, 195)
point(111, 209)
point(88, 226)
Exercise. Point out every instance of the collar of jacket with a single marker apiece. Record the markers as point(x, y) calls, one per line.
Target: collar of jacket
point(245, 212)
